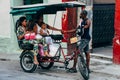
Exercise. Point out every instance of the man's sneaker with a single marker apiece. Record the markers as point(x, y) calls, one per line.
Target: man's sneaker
point(72, 70)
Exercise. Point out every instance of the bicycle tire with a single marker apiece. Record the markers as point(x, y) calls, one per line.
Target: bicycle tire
point(83, 69)
point(26, 62)
point(46, 65)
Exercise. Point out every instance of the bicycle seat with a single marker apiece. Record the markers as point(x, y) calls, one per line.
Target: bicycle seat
point(57, 37)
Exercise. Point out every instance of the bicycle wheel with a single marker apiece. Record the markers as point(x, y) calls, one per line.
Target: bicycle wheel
point(82, 67)
point(46, 64)
point(26, 62)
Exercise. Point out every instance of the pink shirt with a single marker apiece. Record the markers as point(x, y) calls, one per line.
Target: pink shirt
point(30, 36)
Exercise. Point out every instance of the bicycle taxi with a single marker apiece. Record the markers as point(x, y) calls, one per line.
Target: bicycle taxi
point(26, 57)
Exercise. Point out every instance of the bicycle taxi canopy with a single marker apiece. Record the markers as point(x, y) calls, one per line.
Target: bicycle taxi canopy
point(50, 8)
point(44, 8)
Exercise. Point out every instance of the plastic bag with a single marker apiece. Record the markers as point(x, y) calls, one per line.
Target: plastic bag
point(48, 40)
point(53, 49)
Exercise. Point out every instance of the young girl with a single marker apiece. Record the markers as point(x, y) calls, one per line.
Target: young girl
point(45, 32)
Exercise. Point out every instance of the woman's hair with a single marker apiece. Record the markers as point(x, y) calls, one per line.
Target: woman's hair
point(30, 25)
point(21, 19)
point(41, 24)
point(19, 23)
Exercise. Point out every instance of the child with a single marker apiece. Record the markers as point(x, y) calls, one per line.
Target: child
point(45, 32)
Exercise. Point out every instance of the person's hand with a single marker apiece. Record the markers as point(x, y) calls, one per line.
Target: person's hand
point(26, 32)
point(63, 32)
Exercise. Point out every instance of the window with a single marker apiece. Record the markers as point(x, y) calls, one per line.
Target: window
point(26, 2)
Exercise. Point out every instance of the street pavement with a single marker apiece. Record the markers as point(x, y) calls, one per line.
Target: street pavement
point(102, 68)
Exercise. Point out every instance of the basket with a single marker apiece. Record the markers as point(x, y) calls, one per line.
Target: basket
point(73, 40)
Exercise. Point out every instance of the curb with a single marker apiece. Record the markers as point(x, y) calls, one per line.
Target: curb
point(16, 57)
point(99, 56)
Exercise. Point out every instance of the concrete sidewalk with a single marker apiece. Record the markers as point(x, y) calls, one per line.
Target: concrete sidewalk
point(101, 53)
point(105, 53)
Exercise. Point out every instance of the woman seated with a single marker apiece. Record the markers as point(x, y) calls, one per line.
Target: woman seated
point(21, 30)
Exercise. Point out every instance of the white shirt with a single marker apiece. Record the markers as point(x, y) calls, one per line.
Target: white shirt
point(38, 36)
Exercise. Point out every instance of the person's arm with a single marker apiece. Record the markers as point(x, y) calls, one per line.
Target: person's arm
point(88, 24)
point(20, 37)
point(42, 33)
point(53, 28)
point(70, 31)
point(35, 29)
point(47, 31)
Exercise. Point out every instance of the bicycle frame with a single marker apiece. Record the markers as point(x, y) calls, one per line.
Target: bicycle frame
point(59, 53)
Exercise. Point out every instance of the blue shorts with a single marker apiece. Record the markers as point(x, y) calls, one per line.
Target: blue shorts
point(84, 45)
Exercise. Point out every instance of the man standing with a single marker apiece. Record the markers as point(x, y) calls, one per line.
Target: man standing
point(84, 42)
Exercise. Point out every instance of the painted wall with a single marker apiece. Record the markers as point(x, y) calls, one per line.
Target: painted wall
point(14, 45)
point(5, 18)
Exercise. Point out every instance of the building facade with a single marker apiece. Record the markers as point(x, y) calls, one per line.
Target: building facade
point(5, 30)
point(5, 18)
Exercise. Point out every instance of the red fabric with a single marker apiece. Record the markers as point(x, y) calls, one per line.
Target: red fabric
point(116, 40)
point(70, 23)
point(117, 18)
point(65, 25)
point(116, 50)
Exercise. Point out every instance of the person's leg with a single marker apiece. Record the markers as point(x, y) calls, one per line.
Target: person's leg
point(35, 57)
point(80, 47)
point(88, 59)
point(46, 53)
point(75, 61)
point(46, 50)
point(35, 51)
point(87, 53)
point(35, 60)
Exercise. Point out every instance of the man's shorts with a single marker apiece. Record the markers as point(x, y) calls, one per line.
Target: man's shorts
point(84, 45)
